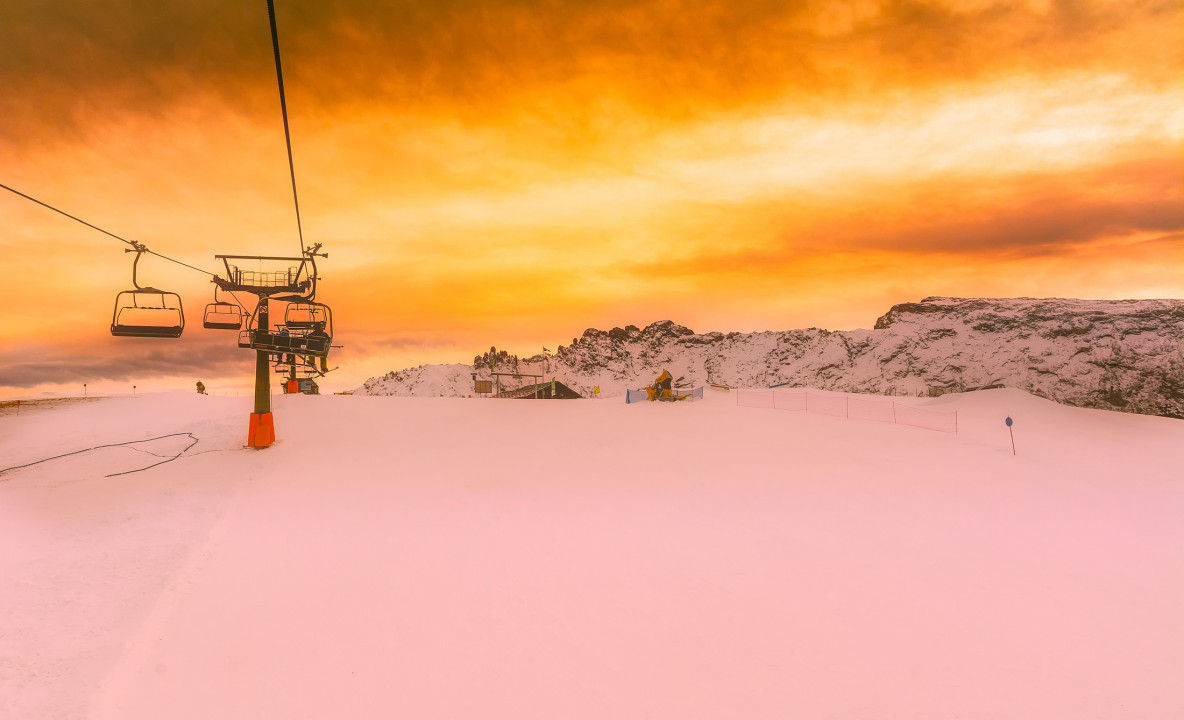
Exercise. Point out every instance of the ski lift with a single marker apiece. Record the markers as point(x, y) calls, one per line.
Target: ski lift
point(222, 315)
point(310, 335)
point(146, 311)
point(298, 366)
point(306, 315)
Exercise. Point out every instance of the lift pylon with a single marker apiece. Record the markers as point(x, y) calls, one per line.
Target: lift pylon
point(292, 282)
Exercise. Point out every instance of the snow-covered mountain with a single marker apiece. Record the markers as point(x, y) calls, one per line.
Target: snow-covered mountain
point(1119, 355)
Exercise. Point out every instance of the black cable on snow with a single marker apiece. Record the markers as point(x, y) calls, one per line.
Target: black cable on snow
point(99, 447)
point(279, 73)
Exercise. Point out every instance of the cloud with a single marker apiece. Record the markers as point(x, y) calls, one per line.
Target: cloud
point(123, 359)
point(572, 63)
point(1037, 214)
point(375, 341)
point(978, 220)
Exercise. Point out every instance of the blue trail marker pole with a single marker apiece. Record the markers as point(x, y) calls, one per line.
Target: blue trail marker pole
point(1012, 432)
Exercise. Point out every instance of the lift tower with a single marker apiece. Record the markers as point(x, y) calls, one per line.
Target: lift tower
point(304, 329)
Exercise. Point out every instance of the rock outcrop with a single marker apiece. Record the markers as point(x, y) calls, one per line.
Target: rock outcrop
point(1118, 355)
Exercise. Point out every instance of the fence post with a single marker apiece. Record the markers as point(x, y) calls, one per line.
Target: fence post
point(807, 401)
point(847, 401)
point(955, 422)
point(893, 412)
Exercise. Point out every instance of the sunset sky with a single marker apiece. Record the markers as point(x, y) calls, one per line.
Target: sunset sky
point(512, 173)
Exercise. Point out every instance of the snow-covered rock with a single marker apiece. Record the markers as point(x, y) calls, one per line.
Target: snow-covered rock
point(1120, 355)
point(453, 380)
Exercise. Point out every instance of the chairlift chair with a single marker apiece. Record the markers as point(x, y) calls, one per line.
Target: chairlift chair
point(148, 313)
point(221, 315)
point(306, 315)
point(300, 366)
point(312, 335)
point(145, 311)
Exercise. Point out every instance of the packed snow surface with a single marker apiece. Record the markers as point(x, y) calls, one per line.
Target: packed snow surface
point(453, 558)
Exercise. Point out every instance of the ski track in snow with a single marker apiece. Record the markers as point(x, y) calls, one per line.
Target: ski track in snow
point(476, 558)
point(121, 685)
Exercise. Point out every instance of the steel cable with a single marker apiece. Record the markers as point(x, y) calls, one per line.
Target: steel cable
point(105, 232)
point(279, 73)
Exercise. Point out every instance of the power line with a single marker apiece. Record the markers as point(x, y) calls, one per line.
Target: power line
point(279, 73)
point(136, 245)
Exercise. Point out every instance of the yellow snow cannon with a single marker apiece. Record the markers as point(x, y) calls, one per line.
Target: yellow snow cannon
point(662, 389)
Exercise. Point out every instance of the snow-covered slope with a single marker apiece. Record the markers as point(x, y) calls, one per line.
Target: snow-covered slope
point(445, 558)
point(1125, 355)
point(453, 380)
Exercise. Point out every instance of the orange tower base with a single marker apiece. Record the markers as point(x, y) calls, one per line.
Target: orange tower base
point(262, 431)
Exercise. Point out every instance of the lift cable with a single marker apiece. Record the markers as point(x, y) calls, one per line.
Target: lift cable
point(138, 246)
point(134, 244)
point(279, 73)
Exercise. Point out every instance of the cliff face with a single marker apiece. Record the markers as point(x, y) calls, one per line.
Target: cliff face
point(1118, 355)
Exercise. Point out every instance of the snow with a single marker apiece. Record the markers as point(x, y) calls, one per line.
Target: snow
point(444, 380)
point(434, 557)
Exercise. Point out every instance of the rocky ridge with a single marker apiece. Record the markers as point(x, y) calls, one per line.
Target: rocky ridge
point(1118, 355)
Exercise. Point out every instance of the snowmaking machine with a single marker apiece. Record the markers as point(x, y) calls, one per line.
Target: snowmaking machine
point(663, 389)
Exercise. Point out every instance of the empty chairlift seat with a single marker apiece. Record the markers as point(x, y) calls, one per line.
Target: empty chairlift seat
point(148, 313)
point(306, 315)
point(221, 315)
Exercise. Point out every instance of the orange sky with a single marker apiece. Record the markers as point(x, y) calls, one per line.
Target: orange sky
point(511, 173)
